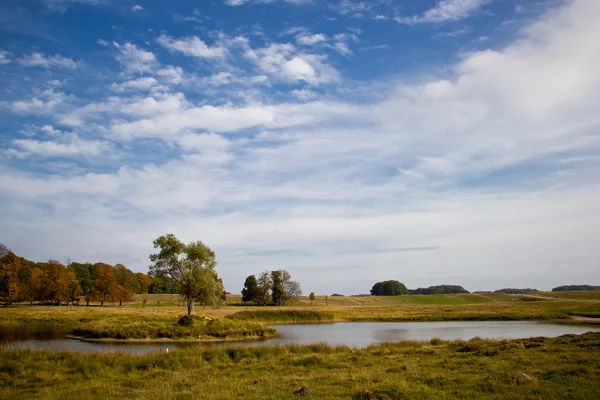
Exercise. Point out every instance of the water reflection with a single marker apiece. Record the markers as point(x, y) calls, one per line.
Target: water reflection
point(354, 334)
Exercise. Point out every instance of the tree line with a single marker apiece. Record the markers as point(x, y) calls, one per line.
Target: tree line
point(395, 288)
point(575, 288)
point(53, 282)
point(439, 289)
point(275, 288)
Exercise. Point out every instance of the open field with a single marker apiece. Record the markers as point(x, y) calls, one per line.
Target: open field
point(163, 308)
point(537, 368)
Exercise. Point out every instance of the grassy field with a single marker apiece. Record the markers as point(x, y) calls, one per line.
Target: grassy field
point(561, 368)
point(168, 308)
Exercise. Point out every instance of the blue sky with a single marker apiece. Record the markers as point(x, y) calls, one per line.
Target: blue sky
point(433, 142)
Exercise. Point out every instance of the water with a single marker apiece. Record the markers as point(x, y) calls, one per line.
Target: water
point(354, 334)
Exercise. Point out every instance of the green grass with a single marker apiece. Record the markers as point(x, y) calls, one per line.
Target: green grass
point(161, 329)
point(567, 367)
point(284, 316)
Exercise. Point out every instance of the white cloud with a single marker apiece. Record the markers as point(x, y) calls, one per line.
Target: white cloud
point(61, 5)
point(39, 60)
point(134, 59)
point(50, 130)
point(191, 46)
point(69, 145)
point(310, 40)
point(282, 61)
point(137, 8)
point(445, 10)
point(242, 2)
point(42, 103)
point(4, 57)
point(102, 42)
point(139, 84)
point(173, 75)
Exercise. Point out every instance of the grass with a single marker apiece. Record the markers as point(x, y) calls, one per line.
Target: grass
point(536, 368)
point(284, 316)
point(160, 329)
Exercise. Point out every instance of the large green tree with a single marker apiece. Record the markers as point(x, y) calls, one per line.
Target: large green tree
point(250, 290)
point(389, 288)
point(192, 266)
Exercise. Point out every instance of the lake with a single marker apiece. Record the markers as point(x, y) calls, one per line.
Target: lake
point(354, 334)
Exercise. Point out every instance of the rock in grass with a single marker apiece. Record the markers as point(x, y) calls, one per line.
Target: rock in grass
point(304, 391)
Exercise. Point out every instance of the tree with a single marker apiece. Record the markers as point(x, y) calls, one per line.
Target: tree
point(105, 285)
point(3, 250)
point(144, 282)
point(9, 277)
point(291, 288)
point(250, 290)
point(54, 285)
point(311, 296)
point(389, 288)
point(277, 292)
point(192, 266)
point(35, 284)
point(83, 275)
point(264, 284)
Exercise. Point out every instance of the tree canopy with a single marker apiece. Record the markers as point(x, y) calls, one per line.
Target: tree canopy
point(439, 289)
point(275, 287)
point(573, 288)
point(389, 288)
point(191, 266)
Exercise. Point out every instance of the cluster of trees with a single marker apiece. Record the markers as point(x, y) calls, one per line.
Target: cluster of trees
point(574, 288)
point(275, 288)
point(439, 289)
point(516, 291)
point(55, 283)
point(388, 288)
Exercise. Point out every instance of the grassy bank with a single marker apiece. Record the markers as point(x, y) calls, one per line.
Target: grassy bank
point(565, 367)
point(168, 329)
point(283, 316)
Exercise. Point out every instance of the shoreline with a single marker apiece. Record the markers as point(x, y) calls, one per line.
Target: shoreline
point(169, 340)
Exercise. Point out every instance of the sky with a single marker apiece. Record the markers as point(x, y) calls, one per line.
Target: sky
point(348, 142)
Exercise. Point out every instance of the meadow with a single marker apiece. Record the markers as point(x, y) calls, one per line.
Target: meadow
point(452, 307)
point(567, 367)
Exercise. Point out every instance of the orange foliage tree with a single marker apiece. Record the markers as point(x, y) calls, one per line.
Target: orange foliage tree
point(105, 285)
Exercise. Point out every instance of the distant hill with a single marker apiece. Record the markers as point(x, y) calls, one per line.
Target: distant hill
point(575, 288)
point(439, 289)
point(516, 291)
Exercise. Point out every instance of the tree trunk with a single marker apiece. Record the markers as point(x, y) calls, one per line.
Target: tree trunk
point(190, 306)
point(120, 303)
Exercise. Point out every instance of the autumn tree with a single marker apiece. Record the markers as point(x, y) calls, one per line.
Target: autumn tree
point(69, 288)
point(35, 284)
point(54, 285)
point(250, 290)
point(144, 282)
point(191, 265)
point(9, 279)
point(105, 285)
